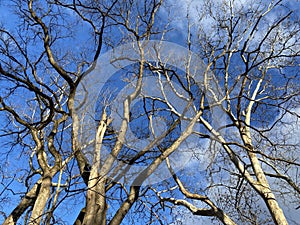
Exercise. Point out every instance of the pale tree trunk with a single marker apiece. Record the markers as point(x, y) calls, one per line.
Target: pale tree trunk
point(264, 189)
point(27, 201)
point(262, 186)
point(41, 201)
point(275, 210)
point(95, 210)
point(96, 206)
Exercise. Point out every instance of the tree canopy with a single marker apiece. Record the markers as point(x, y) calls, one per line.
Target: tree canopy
point(149, 112)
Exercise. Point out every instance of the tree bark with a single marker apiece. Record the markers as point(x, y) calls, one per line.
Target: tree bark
point(27, 201)
point(41, 201)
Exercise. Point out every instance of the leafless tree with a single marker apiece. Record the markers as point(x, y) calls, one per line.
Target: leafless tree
point(225, 101)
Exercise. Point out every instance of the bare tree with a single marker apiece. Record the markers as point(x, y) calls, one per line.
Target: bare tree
point(202, 128)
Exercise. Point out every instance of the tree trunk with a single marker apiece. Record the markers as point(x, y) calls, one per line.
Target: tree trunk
point(27, 201)
point(95, 213)
point(41, 201)
point(275, 210)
